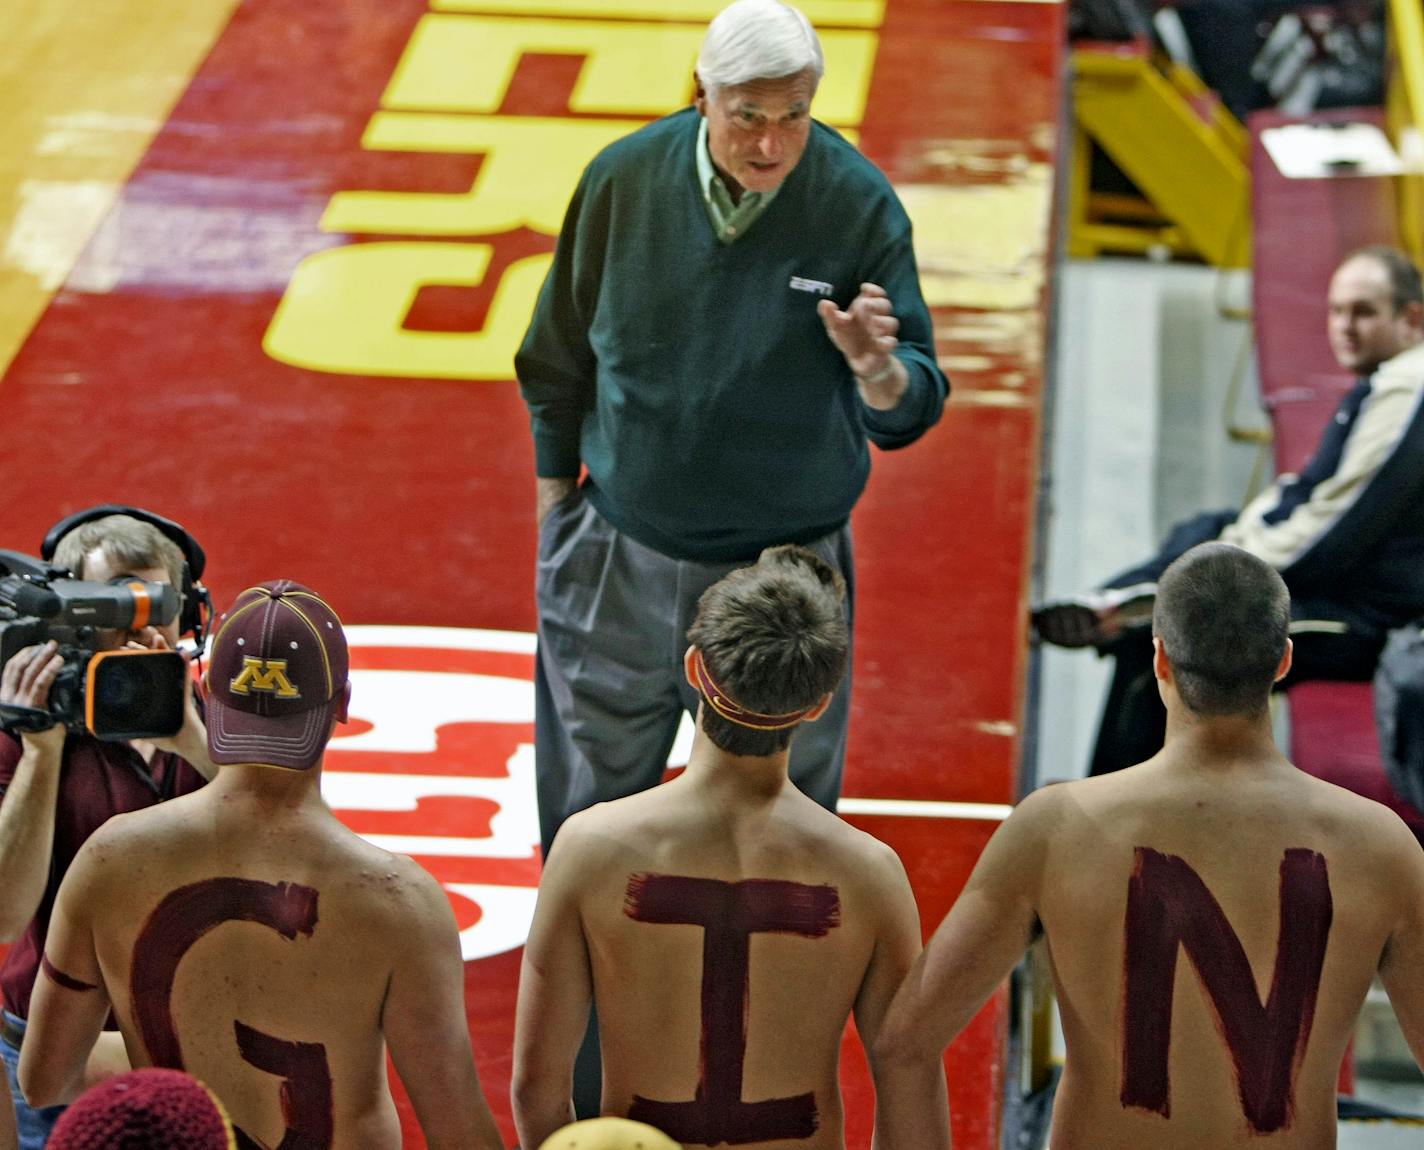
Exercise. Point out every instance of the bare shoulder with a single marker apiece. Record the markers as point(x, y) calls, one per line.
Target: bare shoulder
point(125, 856)
point(131, 842)
point(813, 844)
point(1058, 820)
point(1359, 812)
point(597, 837)
point(1130, 786)
point(802, 828)
point(1386, 845)
point(393, 884)
point(856, 852)
point(161, 825)
point(1052, 811)
point(1358, 823)
point(1055, 801)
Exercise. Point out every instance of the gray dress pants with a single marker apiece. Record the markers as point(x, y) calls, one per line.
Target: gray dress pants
point(609, 683)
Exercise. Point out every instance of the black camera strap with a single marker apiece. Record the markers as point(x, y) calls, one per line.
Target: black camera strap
point(144, 770)
point(14, 718)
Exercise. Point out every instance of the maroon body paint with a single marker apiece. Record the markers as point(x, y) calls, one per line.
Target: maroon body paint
point(1168, 906)
point(729, 914)
point(175, 925)
point(64, 980)
point(306, 1085)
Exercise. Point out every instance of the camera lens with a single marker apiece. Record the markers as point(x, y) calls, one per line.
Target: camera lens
point(136, 694)
point(116, 693)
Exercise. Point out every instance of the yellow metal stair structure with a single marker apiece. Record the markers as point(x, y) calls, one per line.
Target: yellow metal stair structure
point(1178, 145)
point(1404, 110)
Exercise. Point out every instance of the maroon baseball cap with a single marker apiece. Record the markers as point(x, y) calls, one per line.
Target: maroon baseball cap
point(276, 676)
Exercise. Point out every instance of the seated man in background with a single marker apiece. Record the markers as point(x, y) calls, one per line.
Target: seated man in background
point(1345, 534)
point(726, 925)
point(58, 787)
point(244, 935)
point(1284, 895)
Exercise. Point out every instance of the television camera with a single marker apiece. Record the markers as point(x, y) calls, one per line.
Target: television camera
point(113, 692)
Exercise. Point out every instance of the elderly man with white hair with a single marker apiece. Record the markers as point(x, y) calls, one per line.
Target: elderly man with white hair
point(732, 316)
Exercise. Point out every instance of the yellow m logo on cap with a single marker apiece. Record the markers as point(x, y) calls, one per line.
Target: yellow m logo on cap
point(264, 675)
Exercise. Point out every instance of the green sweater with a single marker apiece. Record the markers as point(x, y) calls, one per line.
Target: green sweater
point(694, 379)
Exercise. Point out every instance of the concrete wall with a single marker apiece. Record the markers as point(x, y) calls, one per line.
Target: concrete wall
point(1142, 368)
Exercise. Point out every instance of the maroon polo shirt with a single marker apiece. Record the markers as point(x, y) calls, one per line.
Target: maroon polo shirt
point(97, 780)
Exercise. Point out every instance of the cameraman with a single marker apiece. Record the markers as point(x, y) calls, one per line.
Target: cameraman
point(57, 788)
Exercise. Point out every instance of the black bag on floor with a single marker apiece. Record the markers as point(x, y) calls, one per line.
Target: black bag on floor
point(1399, 709)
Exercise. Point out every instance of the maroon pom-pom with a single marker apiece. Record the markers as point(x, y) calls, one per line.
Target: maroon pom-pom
point(152, 1108)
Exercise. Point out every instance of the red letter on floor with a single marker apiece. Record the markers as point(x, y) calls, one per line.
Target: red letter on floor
point(1168, 905)
point(729, 913)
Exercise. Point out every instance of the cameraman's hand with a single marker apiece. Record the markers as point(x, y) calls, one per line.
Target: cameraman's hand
point(191, 741)
point(25, 682)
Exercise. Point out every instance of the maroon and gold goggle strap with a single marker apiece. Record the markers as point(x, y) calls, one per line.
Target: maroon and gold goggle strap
point(723, 704)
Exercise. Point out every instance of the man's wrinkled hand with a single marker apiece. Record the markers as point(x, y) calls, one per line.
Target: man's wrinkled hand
point(549, 493)
point(191, 741)
point(865, 333)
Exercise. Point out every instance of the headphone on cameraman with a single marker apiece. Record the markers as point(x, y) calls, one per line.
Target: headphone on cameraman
point(197, 609)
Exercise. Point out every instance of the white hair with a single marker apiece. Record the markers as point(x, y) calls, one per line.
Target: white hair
point(758, 40)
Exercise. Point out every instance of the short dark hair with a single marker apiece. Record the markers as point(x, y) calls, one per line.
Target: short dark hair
point(774, 637)
point(1405, 284)
point(1223, 616)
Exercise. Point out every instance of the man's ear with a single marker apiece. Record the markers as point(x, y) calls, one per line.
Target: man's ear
point(345, 706)
point(1284, 669)
point(819, 709)
point(687, 657)
point(1413, 315)
point(1161, 665)
point(699, 97)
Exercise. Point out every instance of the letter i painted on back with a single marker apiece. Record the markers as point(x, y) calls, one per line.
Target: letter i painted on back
point(729, 913)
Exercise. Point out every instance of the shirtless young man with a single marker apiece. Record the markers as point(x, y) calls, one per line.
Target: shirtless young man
point(1214, 915)
point(725, 925)
point(244, 935)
